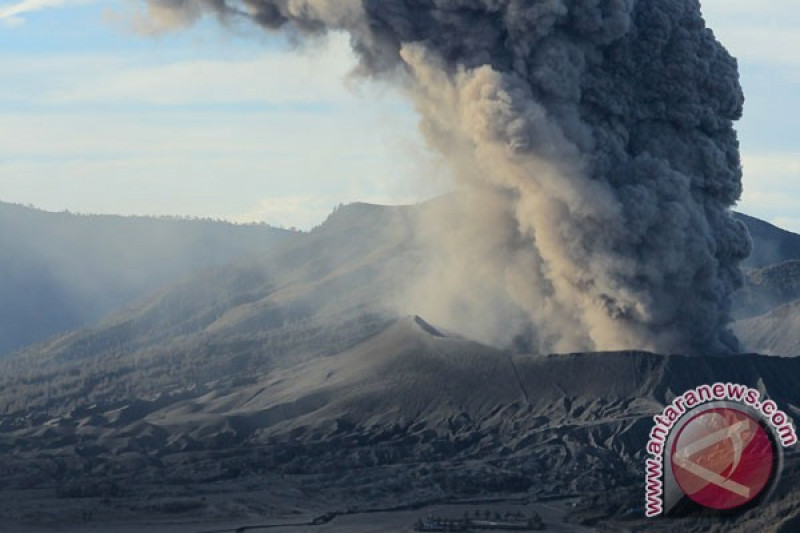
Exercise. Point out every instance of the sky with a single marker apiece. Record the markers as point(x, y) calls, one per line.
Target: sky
point(96, 116)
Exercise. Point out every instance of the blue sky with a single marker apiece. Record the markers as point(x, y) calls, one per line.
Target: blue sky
point(95, 117)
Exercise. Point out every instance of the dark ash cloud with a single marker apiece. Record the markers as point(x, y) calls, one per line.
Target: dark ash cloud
point(599, 133)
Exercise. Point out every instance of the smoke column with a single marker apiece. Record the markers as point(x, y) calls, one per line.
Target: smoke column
point(596, 139)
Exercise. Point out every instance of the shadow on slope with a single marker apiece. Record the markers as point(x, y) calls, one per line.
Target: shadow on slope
point(771, 244)
point(774, 333)
point(61, 271)
point(403, 415)
point(317, 297)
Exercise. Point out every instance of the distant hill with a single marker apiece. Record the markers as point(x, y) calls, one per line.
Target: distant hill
point(771, 244)
point(60, 271)
point(776, 332)
point(768, 306)
point(767, 288)
point(316, 297)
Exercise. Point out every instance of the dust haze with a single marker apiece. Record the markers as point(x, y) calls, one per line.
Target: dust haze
point(62, 271)
point(594, 144)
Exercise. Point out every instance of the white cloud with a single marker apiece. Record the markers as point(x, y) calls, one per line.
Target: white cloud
point(12, 21)
point(274, 77)
point(308, 210)
point(757, 32)
point(80, 145)
point(138, 133)
point(772, 187)
point(267, 79)
point(10, 15)
point(207, 164)
point(765, 45)
point(788, 223)
point(748, 7)
point(300, 211)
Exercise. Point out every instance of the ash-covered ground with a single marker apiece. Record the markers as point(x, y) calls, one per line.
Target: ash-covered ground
point(270, 393)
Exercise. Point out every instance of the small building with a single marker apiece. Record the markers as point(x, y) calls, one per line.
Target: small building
point(509, 522)
point(436, 523)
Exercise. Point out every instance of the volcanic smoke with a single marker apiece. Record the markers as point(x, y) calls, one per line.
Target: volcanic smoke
point(598, 137)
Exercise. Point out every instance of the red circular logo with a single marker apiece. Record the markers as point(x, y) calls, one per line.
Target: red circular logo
point(722, 458)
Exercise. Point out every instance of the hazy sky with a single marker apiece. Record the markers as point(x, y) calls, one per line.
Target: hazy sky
point(95, 117)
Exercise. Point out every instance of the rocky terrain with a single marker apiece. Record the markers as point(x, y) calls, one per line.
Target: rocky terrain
point(774, 333)
point(767, 306)
point(406, 416)
point(274, 391)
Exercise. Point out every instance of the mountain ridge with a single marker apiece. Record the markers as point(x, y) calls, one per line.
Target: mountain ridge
point(403, 415)
point(62, 271)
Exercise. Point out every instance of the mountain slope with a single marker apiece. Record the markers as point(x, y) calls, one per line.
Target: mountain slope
point(774, 333)
point(405, 415)
point(283, 371)
point(60, 271)
point(771, 244)
point(316, 297)
point(767, 288)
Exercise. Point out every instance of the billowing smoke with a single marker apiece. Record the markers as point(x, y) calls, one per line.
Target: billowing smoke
point(595, 139)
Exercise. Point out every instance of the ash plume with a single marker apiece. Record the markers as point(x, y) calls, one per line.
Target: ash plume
point(595, 140)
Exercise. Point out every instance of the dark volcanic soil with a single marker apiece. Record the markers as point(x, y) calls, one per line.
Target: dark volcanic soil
point(407, 416)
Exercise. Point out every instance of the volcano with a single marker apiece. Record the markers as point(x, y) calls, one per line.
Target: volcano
point(275, 389)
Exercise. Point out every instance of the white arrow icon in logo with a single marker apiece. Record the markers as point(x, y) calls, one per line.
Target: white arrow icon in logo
point(739, 434)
